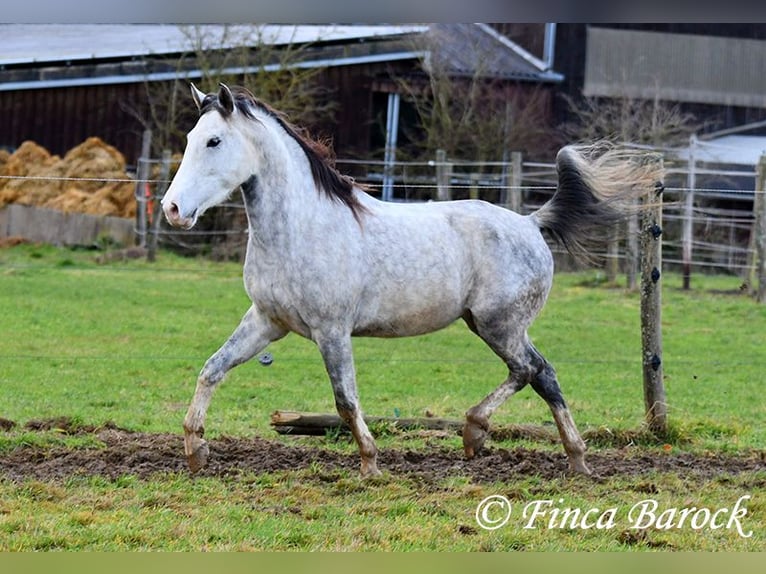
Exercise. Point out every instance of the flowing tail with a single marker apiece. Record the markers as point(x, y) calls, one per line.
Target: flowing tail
point(598, 186)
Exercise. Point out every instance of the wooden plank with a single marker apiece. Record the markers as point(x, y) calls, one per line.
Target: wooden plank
point(759, 229)
point(55, 227)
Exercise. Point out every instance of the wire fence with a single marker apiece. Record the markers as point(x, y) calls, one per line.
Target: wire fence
point(715, 232)
point(721, 217)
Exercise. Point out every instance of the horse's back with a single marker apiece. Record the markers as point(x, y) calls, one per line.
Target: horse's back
point(430, 263)
point(477, 232)
point(511, 258)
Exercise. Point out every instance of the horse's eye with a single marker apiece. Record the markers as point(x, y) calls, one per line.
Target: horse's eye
point(213, 142)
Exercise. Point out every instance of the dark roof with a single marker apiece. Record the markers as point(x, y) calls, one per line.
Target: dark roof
point(464, 49)
point(50, 55)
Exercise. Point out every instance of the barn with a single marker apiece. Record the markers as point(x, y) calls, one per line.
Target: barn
point(60, 84)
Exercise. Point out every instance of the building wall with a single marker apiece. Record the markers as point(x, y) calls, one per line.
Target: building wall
point(571, 53)
point(59, 119)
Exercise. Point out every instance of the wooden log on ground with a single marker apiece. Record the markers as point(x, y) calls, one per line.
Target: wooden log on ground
point(319, 424)
point(293, 422)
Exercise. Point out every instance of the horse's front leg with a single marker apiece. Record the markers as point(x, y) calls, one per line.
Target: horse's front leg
point(339, 361)
point(249, 338)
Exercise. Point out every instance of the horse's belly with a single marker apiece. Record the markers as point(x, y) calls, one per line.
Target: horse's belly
point(399, 317)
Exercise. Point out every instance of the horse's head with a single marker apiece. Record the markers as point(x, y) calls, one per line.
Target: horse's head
point(217, 159)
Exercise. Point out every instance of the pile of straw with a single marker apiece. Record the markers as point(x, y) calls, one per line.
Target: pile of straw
point(82, 181)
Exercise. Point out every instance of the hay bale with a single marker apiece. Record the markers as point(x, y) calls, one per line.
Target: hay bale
point(29, 160)
point(100, 203)
point(93, 159)
point(28, 156)
point(123, 195)
point(70, 201)
point(96, 159)
point(4, 155)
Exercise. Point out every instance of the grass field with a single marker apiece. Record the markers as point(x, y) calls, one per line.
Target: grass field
point(123, 342)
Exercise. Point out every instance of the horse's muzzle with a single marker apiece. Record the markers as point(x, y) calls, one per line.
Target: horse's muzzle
point(174, 217)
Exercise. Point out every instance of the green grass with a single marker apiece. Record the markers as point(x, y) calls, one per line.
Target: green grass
point(320, 509)
point(123, 342)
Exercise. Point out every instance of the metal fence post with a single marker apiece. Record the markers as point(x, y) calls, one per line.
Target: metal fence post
point(392, 130)
point(514, 193)
point(688, 217)
point(612, 264)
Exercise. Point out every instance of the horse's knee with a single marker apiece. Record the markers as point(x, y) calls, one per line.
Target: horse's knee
point(345, 406)
point(210, 375)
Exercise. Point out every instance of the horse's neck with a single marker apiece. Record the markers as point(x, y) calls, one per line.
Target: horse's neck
point(281, 200)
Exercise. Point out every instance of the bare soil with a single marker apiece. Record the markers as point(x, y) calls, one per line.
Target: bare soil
point(143, 455)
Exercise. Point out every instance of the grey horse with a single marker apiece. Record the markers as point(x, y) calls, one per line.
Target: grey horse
point(328, 261)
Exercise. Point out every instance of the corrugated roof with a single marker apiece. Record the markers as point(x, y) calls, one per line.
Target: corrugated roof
point(51, 55)
point(52, 43)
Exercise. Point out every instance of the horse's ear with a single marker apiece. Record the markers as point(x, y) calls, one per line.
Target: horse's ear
point(197, 95)
point(226, 99)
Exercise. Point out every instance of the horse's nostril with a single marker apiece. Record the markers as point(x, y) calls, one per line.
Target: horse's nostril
point(172, 210)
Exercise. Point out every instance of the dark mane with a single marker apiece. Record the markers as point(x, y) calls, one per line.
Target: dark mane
point(327, 178)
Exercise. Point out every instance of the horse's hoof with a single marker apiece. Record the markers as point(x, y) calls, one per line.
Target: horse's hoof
point(370, 470)
point(579, 467)
point(473, 439)
point(198, 458)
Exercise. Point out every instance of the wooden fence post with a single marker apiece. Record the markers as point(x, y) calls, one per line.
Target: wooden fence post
point(631, 253)
point(651, 311)
point(514, 192)
point(162, 187)
point(142, 174)
point(759, 229)
point(443, 175)
point(473, 186)
point(612, 265)
point(688, 217)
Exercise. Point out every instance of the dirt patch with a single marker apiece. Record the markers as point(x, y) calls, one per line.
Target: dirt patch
point(143, 455)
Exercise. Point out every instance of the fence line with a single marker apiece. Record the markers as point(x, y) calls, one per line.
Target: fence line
point(722, 220)
point(375, 358)
point(484, 185)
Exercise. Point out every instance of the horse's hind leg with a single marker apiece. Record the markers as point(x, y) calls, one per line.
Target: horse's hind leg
point(339, 361)
point(526, 366)
point(546, 385)
point(250, 337)
point(476, 428)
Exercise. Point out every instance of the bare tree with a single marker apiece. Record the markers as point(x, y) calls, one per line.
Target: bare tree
point(626, 119)
point(472, 114)
point(241, 55)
